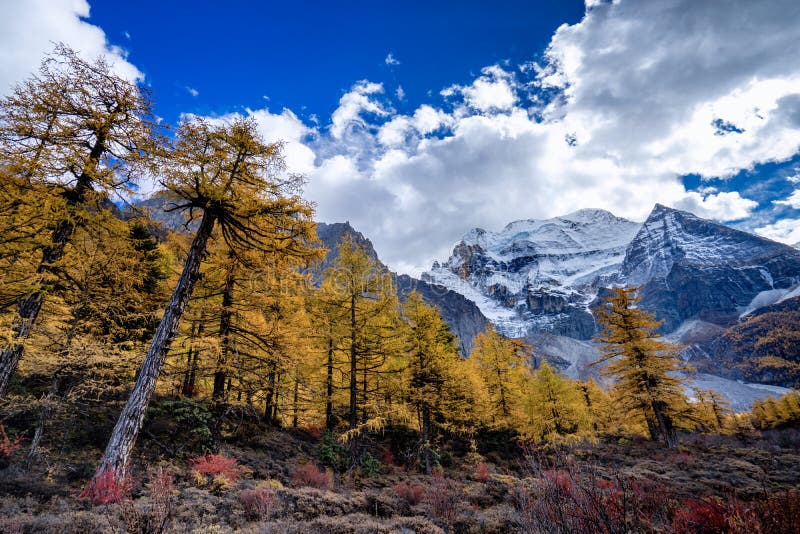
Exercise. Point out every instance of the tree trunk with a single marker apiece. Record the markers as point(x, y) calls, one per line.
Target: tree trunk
point(353, 360)
point(426, 429)
point(665, 424)
point(47, 411)
point(130, 420)
point(31, 305)
point(294, 402)
point(329, 388)
point(271, 394)
point(225, 320)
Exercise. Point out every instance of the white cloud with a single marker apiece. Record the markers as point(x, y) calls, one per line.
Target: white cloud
point(192, 91)
point(644, 88)
point(785, 231)
point(353, 104)
point(400, 93)
point(391, 60)
point(792, 201)
point(29, 29)
point(492, 91)
point(726, 206)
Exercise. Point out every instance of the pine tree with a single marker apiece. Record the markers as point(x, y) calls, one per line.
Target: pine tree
point(504, 366)
point(642, 366)
point(231, 177)
point(83, 131)
point(367, 317)
point(557, 412)
point(432, 354)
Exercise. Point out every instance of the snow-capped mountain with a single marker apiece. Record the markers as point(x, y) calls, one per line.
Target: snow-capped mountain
point(542, 276)
point(692, 268)
point(539, 275)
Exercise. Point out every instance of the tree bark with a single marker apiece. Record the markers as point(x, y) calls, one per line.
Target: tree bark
point(426, 429)
point(329, 388)
point(225, 319)
point(130, 421)
point(353, 360)
point(665, 424)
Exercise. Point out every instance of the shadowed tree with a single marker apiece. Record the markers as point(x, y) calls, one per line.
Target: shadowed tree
point(82, 130)
point(432, 355)
point(229, 178)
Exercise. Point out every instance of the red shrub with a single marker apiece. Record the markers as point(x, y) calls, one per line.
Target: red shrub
point(314, 431)
point(311, 475)
point(162, 483)
point(700, 516)
point(482, 472)
point(218, 465)
point(411, 493)
point(387, 457)
point(107, 488)
point(443, 498)
point(257, 503)
point(8, 446)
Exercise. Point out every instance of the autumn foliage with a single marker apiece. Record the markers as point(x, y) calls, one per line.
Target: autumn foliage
point(217, 465)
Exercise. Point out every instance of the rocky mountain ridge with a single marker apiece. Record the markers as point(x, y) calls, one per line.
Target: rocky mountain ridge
point(543, 277)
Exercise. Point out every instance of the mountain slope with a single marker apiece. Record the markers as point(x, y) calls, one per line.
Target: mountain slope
point(461, 314)
point(692, 268)
point(544, 276)
point(539, 275)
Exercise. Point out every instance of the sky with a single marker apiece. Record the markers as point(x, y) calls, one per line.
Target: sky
point(417, 121)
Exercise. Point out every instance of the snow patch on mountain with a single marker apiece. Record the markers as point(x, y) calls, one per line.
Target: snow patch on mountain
point(740, 395)
point(768, 298)
point(533, 273)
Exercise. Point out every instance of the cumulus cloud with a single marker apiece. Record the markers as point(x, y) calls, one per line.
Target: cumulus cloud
point(624, 103)
point(792, 201)
point(785, 231)
point(352, 107)
point(619, 107)
point(29, 29)
point(493, 90)
point(726, 206)
point(391, 60)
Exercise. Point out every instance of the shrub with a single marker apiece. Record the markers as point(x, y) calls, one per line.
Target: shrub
point(8, 446)
point(370, 467)
point(699, 516)
point(482, 472)
point(161, 488)
point(107, 488)
point(218, 466)
point(443, 498)
point(311, 475)
point(257, 503)
point(330, 452)
point(411, 493)
point(387, 457)
point(189, 422)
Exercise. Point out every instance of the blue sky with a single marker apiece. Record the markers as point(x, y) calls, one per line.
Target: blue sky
point(304, 55)
point(417, 121)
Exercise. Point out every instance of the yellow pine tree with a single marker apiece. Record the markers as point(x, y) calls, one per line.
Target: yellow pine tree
point(556, 410)
point(504, 366)
point(432, 355)
point(642, 366)
point(75, 130)
point(367, 316)
point(231, 178)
